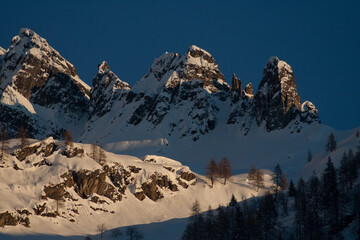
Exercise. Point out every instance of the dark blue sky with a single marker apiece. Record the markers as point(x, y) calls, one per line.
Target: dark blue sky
point(319, 39)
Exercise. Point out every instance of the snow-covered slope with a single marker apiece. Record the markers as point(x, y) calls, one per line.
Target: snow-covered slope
point(50, 188)
point(124, 190)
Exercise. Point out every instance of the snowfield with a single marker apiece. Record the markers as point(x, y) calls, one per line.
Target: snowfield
point(22, 187)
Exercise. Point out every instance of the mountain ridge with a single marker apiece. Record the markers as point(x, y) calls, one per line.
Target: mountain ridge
point(181, 95)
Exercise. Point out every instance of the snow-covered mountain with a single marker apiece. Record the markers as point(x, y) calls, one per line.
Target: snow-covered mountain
point(39, 89)
point(181, 109)
point(185, 96)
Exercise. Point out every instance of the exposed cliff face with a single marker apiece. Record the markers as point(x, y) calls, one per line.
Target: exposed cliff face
point(34, 74)
point(277, 101)
point(31, 61)
point(236, 85)
point(107, 88)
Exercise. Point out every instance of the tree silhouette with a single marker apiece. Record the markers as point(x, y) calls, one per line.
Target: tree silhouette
point(23, 136)
point(4, 148)
point(224, 169)
point(212, 171)
point(259, 179)
point(331, 143)
point(67, 136)
point(101, 229)
point(252, 173)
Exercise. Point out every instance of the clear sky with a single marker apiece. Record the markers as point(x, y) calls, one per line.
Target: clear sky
point(319, 39)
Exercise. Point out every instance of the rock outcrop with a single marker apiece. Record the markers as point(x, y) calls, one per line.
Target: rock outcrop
point(236, 85)
point(107, 88)
point(277, 101)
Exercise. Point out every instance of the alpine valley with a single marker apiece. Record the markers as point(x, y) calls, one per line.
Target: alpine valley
point(157, 136)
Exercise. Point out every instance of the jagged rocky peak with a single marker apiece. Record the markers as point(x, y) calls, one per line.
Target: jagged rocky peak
point(172, 70)
point(103, 67)
point(309, 113)
point(200, 65)
point(106, 87)
point(277, 101)
point(236, 85)
point(2, 51)
point(249, 92)
point(31, 61)
point(105, 78)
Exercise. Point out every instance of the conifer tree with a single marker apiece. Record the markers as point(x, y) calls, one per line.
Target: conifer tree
point(344, 172)
point(353, 171)
point(292, 190)
point(309, 157)
point(300, 209)
point(268, 217)
point(209, 227)
point(233, 201)
point(313, 224)
point(279, 181)
point(331, 143)
point(330, 194)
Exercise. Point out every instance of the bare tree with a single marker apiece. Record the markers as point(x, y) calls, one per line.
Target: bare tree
point(4, 148)
point(212, 171)
point(101, 229)
point(59, 203)
point(134, 234)
point(23, 136)
point(259, 179)
point(102, 156)
point(252, 173)
point(224, 169)
point(67, 136)
point(94, 154)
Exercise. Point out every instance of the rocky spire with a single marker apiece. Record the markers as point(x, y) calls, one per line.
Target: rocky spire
point(309, 113)
point(236, 85)
point(2, 51)
point(106, 87)
point(103, 67)
point(249, 90)
point(277, 101)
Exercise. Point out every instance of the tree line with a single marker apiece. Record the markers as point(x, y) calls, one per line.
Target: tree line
point(221, 170)
point(318, 208)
